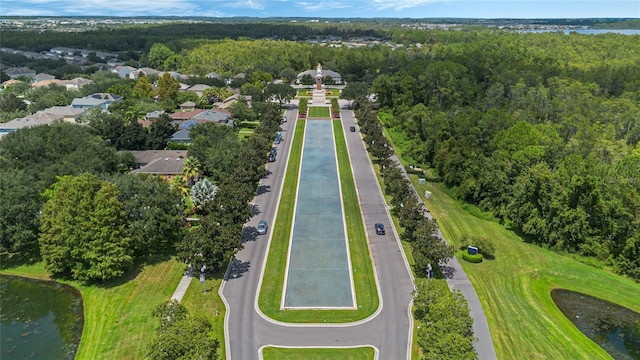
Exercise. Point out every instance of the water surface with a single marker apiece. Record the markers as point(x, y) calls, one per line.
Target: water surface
point(39, 319)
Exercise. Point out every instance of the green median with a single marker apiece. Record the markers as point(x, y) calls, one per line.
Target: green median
point(273, 278)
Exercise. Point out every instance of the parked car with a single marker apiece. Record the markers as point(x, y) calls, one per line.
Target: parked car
point(352, 128)
point(284, 119)
point(379, 229)
point(262, 227)
point(272, 157)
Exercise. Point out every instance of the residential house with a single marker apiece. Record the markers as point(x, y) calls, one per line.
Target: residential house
point(181, 137)
point(102, 100)
point(150, 117)
point(46, 83)
point(16, 72)
point(75, 84)
point(198, 89)
point(43, 77)
point(188, 106)
point(337, 78)
point(232, 100)
point(178, 117)
point(148, 72)
point(214, 75)
point(66, 113)
point(115, 62)
point(166, 164)
point(126, 72)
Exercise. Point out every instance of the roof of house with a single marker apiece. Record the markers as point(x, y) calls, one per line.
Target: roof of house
point(87, 101)
point(214, 75)
point(36, 119)
point(17, 71)
point(198, 87)
point(181, 135)
point(148, 71)
point(64, 111)
point(77, 81)
point(11, 82)
point(325, 72)
point(212, 115)
point(154, 114)
point(162, 166)
point(144, 157)
point(43, 76)
point(188, 104)
point(46, 82)
point(185, 115)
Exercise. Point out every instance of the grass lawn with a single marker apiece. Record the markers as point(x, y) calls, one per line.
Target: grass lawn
point(515, 287)
point(118, 322)
point(318, 112)
point(272, 284)
point(208, 305)
point(357, 353)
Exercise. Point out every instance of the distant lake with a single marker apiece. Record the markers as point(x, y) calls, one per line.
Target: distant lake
point(39, 319)
point(588, 31)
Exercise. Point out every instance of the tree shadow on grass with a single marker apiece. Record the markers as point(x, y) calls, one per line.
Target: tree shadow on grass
point(9, 261)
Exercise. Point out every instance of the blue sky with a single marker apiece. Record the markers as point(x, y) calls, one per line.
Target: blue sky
point(328, 8)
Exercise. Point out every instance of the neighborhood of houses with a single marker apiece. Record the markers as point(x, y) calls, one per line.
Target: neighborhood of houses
point(165, 164)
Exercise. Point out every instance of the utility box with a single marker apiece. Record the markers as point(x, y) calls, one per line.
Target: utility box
point(427, 194)
point(422, 181)
point(472, 250)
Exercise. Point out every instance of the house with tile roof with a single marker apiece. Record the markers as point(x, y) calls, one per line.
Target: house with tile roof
point(43, 77)
point(76, 84)
point(198, 89)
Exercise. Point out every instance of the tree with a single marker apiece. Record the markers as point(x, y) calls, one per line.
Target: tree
point(182, 336)
point(192, 169)
point(143, 88)
point(84, 230)
point(167, 89)
point(281, 92)
point(158, 55)
point(428, 247)
point(153, 210)
point(307, 80)
point(210, 244)
point(10, 102)
point(202, 193)
point(354, 90)
point(241, 112)
point(160, 131)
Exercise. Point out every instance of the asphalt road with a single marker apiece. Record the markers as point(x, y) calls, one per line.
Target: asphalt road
point(389, 329)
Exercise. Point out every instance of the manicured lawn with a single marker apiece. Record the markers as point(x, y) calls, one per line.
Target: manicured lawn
point(118, 322)
point(515, 287)
point(358, 353)
point(318, 112)
point(272, 284)
point(208, 305)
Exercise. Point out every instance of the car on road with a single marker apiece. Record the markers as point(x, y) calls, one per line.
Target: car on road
point(274, 151)
point(352, 128)
point(262, 227)
point(272, 158)
point(379, 229)
point(284, 119)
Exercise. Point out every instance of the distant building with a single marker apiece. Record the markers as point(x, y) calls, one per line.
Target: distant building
point(102, 100)
point(337, 78)
point(16, 72)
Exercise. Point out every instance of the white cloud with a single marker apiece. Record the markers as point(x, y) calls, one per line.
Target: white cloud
point(402, 4)
point(318, 6)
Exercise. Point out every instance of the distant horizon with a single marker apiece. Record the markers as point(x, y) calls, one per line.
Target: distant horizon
point(328, 9)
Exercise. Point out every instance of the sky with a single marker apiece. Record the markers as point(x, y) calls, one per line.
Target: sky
point(328, 8)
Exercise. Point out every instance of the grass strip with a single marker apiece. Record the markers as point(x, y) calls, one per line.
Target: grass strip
point(273, 281)
point(355, 353)
point(515, 287)
point(318, 112)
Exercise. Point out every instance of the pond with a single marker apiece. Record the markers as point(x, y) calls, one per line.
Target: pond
point(39, 319)
point(615, 328)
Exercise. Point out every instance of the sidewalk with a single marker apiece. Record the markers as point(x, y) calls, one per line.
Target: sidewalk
point(457, 279)
point(182, 288)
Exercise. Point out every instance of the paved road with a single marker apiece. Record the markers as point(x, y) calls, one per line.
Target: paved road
point(389, 330)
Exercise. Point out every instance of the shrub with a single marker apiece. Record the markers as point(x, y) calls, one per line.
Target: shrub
point(477, 258)
point(484, 245)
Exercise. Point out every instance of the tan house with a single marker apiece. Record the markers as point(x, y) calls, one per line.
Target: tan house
point(166, 164)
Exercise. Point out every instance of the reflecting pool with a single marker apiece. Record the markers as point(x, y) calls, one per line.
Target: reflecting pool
point(615, 328)
point(39, 319)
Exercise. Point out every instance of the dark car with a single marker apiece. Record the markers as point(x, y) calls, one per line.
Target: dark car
point(272, 158)
point(274, 151)
point(352, 128)
point(262, 227)
point(379, 229)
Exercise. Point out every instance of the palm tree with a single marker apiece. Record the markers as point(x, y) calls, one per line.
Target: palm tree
point(180, 183)
point(191, 169)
